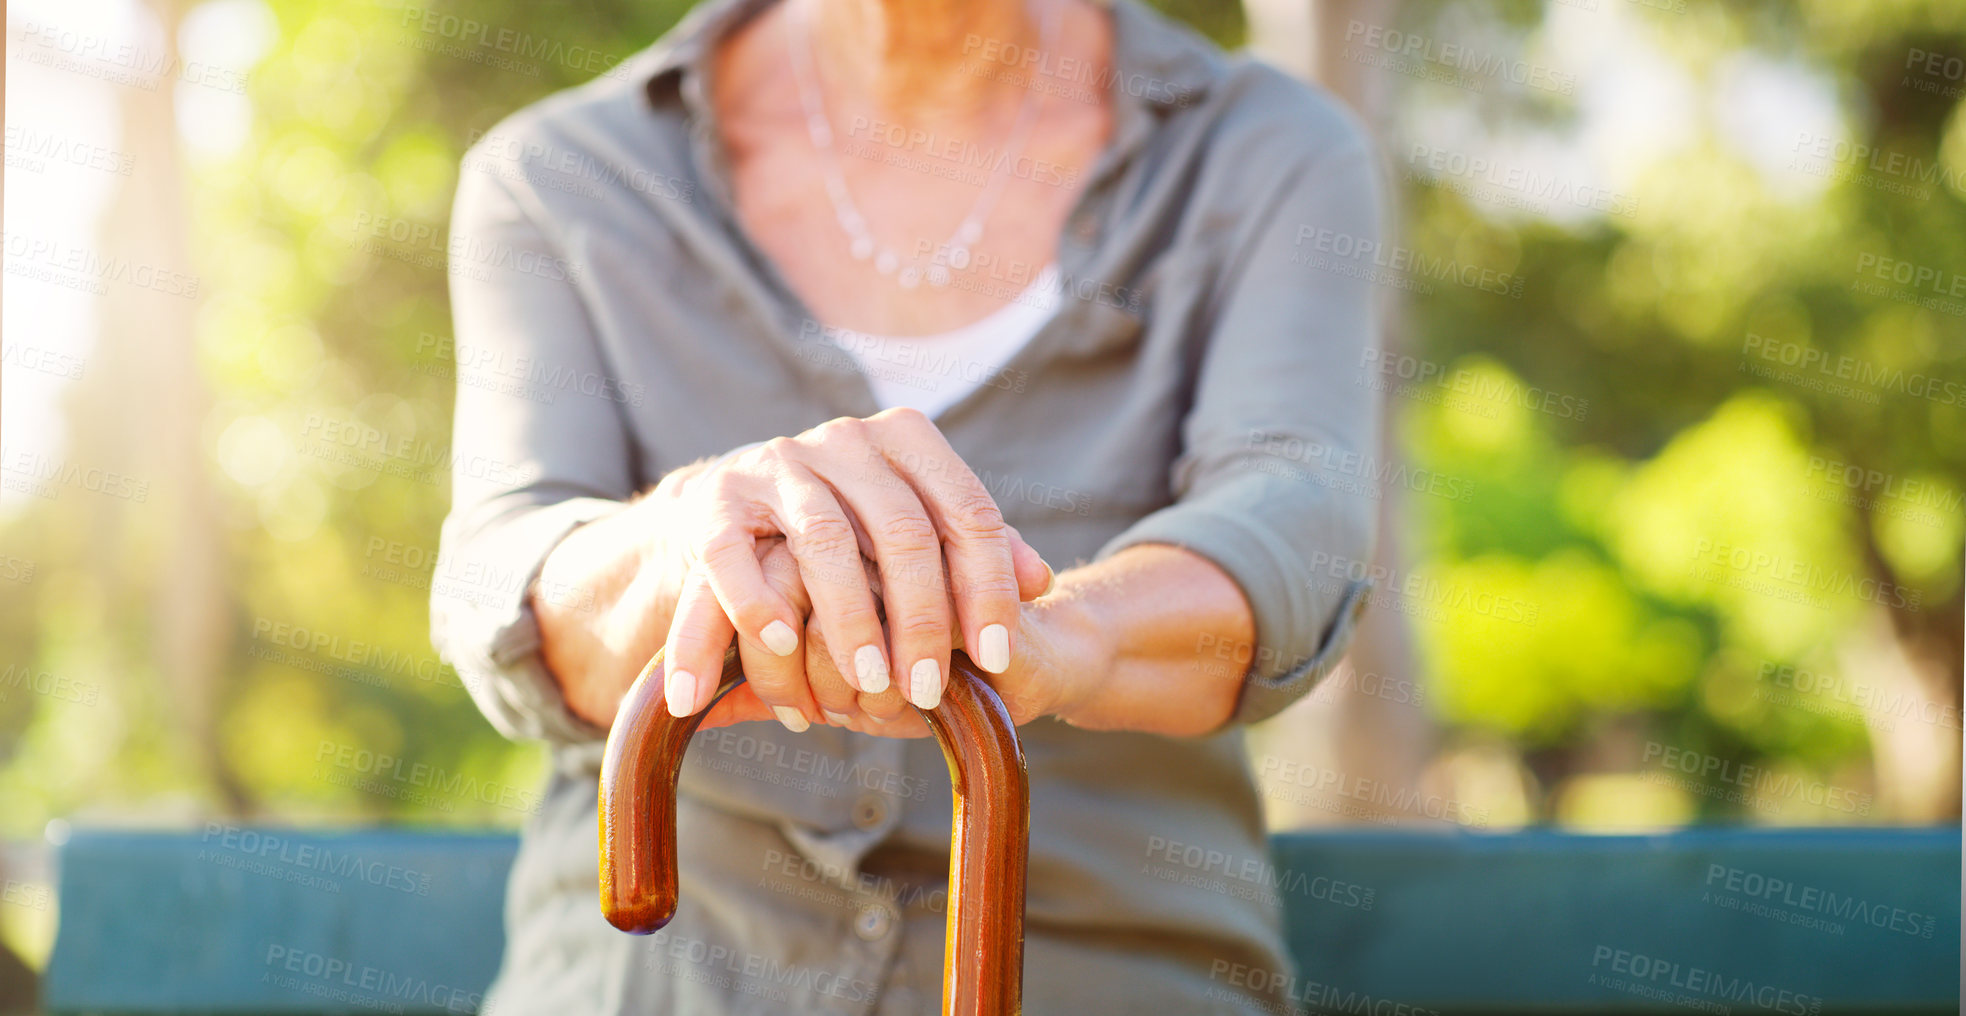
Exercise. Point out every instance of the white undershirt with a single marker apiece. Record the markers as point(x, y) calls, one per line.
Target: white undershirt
point(932, 372)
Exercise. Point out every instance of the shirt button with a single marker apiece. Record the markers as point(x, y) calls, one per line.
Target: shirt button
point(869, 811)
point(873, 922)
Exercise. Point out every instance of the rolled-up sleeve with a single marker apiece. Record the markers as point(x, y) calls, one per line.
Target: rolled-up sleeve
point(1274, 483)
point(531, 460)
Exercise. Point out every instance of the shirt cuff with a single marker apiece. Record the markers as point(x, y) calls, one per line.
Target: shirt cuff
point(1303, 625)
point(483, 623)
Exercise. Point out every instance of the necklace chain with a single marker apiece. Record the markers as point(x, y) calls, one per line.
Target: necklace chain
point(861, 242)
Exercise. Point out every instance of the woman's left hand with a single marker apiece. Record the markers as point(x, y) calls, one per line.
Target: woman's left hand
point(1057, 663)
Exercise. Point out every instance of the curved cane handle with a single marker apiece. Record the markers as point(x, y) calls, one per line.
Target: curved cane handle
point(983, 967)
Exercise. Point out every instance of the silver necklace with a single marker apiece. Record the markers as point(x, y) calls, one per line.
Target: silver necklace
point(955, 252)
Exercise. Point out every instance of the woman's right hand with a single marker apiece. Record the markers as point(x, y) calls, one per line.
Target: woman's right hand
point(887, 488)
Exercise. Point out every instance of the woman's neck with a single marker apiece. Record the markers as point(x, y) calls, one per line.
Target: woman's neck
point(905, 57)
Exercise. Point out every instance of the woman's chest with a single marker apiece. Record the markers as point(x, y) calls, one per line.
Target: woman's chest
point(899, 229)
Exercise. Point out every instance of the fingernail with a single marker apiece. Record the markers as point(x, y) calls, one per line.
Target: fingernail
point(680, 690)
point(993, 649)
point(871, 669)
point(836, 719)
point(926, 684)
point(1050, 579)
point(779, 638)
point(794, 720)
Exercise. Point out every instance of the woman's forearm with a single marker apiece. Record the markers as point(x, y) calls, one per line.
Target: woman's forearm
point(1156, 639)
point(596, 643)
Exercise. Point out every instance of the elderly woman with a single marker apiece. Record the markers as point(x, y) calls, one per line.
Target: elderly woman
point(860, 332)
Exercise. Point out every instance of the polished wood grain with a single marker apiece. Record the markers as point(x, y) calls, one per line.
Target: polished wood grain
point(983, 966)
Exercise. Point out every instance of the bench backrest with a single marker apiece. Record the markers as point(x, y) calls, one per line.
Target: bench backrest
point(276, 920)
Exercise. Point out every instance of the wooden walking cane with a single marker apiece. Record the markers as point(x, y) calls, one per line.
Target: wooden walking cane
point(983, 966)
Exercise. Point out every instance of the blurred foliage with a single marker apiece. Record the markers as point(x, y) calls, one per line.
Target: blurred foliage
point(1593, 525)
point(1689, 529)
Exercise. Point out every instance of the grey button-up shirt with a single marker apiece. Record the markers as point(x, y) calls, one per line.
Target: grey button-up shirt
point(1206, 383)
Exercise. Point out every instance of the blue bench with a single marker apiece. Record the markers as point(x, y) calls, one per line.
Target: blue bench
point(1814, 922)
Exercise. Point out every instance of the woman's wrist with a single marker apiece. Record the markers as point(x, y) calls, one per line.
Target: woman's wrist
point(630, 565)
point(1071, 648)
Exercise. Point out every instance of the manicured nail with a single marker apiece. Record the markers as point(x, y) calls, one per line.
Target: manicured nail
point(993, 649)
point(779, 638)
point(871, 668)
point(836, 719)
point(794, 720)
point(680, 690)
point(925, 684)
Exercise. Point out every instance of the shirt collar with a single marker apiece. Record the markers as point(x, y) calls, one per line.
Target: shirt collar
point(1154, 64)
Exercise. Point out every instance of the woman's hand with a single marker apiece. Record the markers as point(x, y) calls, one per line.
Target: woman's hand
point(1057, 664)
point(1153, 638)
point(888, 489)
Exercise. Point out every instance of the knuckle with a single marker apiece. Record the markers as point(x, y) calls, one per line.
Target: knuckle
point(718, 542)
point(975, 513)
point(840, 429)
point(824, 534)
point(909, 533)
point(857, 617)
point(904, 416)
point(777, 449)
point(991, 584)
point(721, 485)
point(921, 626)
